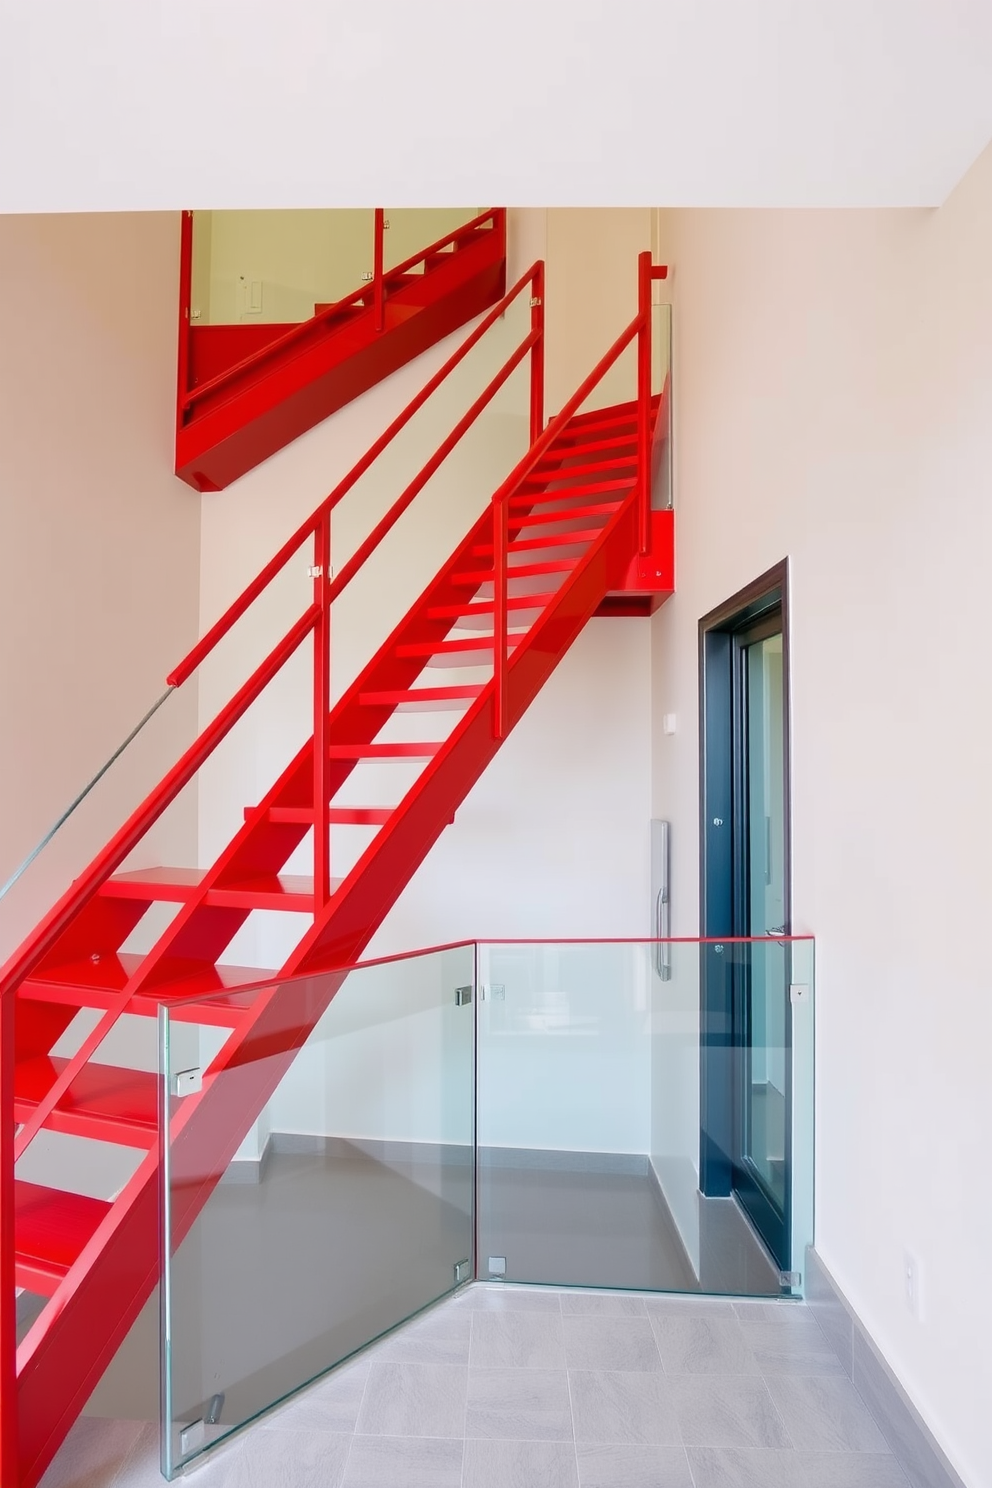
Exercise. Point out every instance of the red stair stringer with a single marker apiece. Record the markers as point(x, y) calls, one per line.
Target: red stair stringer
point(61, 1360)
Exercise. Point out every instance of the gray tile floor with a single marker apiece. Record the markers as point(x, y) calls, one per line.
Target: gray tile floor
point(504, 1387)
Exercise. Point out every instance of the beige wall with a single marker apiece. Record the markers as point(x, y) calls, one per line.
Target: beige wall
point(99, 543)
point(833, 402)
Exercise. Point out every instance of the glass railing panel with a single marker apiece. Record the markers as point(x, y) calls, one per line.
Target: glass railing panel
point(662, 497)
point(408, 230)
point(564, 1117)
point(276, 267)
point(645, 1115)
point(346, 1208)
point(44, 851)
point(800, 960)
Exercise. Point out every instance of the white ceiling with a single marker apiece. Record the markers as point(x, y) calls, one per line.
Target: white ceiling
point(111, 104)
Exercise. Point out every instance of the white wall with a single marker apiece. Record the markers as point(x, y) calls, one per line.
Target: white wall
point(99, 543)
point(833, 396)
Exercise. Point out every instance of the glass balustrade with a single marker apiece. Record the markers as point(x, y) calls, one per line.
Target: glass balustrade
point(347, 1207)
point(509, 1112)
point(591, 1057)
point(409, 230)
point(278, 267)
point(662, 494)
point(281, 267)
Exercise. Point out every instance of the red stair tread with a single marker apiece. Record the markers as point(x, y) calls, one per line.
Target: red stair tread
point(570, 493)
point(421, 699)
point(519, 571)
point(51, 1229)
point(580, 448)
point(349, 816)
point(473, 644)
point(283, 891)
point(583, 424)
point(154, 884)
point(543, 473)
point(225, 992)
point(569, 514)
point(418, 751)
point(488, 606)
point(546, 540)
point(123, 1103)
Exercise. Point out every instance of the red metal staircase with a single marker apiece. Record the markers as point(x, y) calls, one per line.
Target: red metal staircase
point(246, 391)
point(570, 530)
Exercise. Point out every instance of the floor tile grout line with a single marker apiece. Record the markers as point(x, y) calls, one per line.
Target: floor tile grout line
point(468, 1375)
point(571, 1414)
point(777, 1412)
point(128, 1455)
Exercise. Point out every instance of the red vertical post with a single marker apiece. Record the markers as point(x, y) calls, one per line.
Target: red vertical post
point(185, 296)
point(537, 353)
point(644, 401)
point(377, 285)
point(500, 540)
point(8, 1302)
point(321, 711)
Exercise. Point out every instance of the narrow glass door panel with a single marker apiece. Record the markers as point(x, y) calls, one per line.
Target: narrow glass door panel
point(765, 986)
point(348, 1206)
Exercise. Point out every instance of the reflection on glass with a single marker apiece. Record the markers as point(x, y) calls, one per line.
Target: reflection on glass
point(282, 267)
point(589, 1121)
point(352, 1201)
point(767, 1088)
point(266, 268)
point(412, 229)
point(347, 1208)
point(661, 388)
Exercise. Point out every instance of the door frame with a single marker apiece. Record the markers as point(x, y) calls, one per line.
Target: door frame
point(720, 892)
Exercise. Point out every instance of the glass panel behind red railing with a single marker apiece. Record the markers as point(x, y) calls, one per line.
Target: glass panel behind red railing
point(276, 267)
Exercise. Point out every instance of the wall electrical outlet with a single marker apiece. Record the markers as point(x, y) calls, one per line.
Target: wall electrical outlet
point(912, 1287)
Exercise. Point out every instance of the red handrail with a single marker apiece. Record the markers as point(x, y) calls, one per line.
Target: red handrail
point(188, 396)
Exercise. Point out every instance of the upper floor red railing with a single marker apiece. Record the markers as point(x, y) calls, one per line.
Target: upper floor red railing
point(376, 286)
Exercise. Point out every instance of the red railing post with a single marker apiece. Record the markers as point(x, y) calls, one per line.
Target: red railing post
point(8, 1301)
point(185, 297)
point(537, 353)
point(377, 281)
point(321, 573)
point(500, 541)
point(644, 401)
